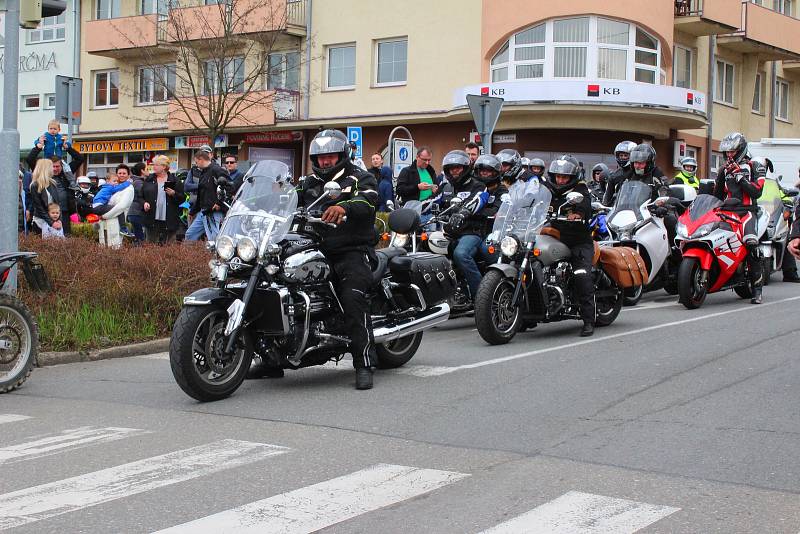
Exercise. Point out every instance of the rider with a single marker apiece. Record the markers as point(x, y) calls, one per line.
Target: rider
point(466, 226)
point(622, 153)
point(526, 164)
point(536, 169)
point(743, 180)
point(496, 186)
point(643, 162)
point(688, 174)
point(575, 232)
point(511, 167)
point(347, 246)
point(597, 185)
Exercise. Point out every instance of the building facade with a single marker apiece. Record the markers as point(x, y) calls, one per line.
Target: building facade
point(576, 76)
point(51, 49)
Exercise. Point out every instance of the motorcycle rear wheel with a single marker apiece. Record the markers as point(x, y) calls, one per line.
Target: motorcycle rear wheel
point(396, 353)
point(743, 291)
point(692, 295)
point(19, 343)
point(496, 317)
point(607, 309)
point(633, 295)
point(196, 354)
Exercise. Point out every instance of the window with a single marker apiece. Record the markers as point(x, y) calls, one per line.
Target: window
point(682, 67)
point(107, 9)
point(782, 100)
point(723, 89)
point(50, 29)
point(691, 152)
point(2, 29)
point(342, 67)
point(284, 71)
point(783, 6)
point(224, 75)
point(579, 47)
point(392, 62)
point(162, 7)
point(50, 101)
point(716, 163)
point(106, 89)
point(758, 93)
point(30, 102)
point(156, 84)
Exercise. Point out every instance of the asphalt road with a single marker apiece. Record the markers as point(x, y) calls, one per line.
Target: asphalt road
point(667, 421)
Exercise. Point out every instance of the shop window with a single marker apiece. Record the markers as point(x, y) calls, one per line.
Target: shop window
point(392, 62)
point(283, 71)
point(782, 100)
point(50, 29)
point(341, 67)
point(30, 103)
point(723, 89)
point(106, 89)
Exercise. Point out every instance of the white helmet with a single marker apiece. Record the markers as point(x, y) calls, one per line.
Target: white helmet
point(101, 182)
point(84, 180)
point(438, 243)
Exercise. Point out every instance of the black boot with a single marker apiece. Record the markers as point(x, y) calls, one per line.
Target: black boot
point(259, 370)
point(756, 295)
point(791, 277)
point(363, 378)
point(587, 330)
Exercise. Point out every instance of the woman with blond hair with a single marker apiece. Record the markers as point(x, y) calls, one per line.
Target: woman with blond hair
point(161, 193)
point(43, 192)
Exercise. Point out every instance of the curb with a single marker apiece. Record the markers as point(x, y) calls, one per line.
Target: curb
point(138, 349)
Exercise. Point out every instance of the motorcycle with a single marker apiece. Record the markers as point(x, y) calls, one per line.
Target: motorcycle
point(632, 223)
point(273, 297)
point(711, 239)
point(533, 280)
point(779, 213)
point(19, 332)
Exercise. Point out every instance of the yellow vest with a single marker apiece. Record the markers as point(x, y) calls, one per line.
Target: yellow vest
point(693, 181)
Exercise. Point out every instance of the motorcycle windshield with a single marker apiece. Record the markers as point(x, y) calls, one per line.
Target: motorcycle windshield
point(627, 207)
point(264, 206)
point(523, 212)
point(771, 195)
point(702, 205)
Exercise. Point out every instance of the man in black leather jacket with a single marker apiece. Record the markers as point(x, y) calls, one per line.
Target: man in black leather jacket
point(208, 210)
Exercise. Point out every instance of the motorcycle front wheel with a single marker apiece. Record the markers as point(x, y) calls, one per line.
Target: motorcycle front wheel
point(691, 289)
point(496, 317)
point(19, 342)
point(197, 354)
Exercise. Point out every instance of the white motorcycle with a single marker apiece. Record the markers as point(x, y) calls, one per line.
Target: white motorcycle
point(778, 216)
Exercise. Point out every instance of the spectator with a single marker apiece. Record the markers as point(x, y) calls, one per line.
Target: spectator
point(208, 203)
point(418, 181)
point(55, 229)
point(358, 162)
point(161, 194)
point(43, 192)
point(473, 151)
point(383, 175)
point(23, 211)
point(232, 166)
point(136, 212)
point(64, 179)
point(53, 143)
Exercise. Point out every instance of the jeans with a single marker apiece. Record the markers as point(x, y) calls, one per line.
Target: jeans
point(204, 225)
point(468, 247)
point(138, 228)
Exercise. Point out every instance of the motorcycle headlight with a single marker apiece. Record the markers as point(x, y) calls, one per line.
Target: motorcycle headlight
point(509, 246)
point(704, 230)
point(400, 240)
point(681, 230)
point(246, 249)
point(225, 247)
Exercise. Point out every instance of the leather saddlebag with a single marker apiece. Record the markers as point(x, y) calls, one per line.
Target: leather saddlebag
point(431, 273)
point(624, 265)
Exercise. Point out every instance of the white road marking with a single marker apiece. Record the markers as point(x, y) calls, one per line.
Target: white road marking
point(439, 371)
point(651, 306)
point(585, 513)
point(11, 418)
point(156, 356)
point(69, 439)
point(68, 495)
point(321, 505)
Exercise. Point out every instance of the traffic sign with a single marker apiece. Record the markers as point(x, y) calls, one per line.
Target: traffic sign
point(68, 99)
point(485, 112)
point(354, 135)
point(402, 153)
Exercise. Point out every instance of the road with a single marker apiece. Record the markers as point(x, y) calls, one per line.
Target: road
point(667, 421)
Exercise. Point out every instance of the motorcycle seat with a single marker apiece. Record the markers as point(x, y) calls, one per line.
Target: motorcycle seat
point(404, 221)
point(384, 255)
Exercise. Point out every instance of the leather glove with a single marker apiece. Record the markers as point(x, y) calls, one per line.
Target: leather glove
point(456, 222)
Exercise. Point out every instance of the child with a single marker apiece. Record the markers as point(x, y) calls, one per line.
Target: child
point(55, 229)
point(53, 143)
point(111, 186)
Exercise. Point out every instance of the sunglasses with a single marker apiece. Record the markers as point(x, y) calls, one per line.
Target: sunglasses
point(230, 162)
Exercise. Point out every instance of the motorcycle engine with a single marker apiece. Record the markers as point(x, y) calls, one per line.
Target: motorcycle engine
point(556, 281)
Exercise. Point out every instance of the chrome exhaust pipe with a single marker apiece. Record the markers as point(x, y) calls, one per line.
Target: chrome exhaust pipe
point(429, 318)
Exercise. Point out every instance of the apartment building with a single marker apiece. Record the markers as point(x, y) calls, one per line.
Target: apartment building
point(576, 76)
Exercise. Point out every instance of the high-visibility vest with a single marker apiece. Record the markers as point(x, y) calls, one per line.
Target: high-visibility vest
point(693, 181)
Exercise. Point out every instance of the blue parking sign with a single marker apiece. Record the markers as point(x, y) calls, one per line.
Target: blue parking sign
point(354, 136)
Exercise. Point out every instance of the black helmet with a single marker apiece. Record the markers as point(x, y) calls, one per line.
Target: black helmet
point(537, 162)
point(624, 147)
point(511, 157)
point(734, 142)
point(456, 158)
point(488, 162)
point(329, 142)
point(564, 165)
point(647, 154)
point(603, 168)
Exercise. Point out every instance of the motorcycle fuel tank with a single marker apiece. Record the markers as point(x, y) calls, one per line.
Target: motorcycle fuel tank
point(307, 266)
point(551, 249)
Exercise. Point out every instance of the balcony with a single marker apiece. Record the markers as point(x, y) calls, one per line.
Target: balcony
point(707, 17)
point(771, 35)
point(121, 37)
point(259, 109)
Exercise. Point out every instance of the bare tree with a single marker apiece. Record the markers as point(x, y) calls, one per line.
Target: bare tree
point(218, 65)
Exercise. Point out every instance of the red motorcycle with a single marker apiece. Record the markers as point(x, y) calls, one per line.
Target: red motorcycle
point(710, 235)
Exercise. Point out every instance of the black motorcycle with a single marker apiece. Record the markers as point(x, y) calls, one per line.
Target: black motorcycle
point(273, 297)
point(19, 332)
point(533, 281)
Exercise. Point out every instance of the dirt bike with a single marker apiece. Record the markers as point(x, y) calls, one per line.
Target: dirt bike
point(533, 281)
point(19, 332)
point(274, 298)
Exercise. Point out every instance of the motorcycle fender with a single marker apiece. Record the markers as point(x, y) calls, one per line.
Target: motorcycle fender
point(766, 250)
point(508, 271)
point(210, 295)
point(703, 256)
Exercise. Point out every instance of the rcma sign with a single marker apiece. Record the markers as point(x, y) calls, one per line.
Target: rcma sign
point(33, 62)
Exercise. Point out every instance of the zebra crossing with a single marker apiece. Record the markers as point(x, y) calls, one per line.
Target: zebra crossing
point(302, 510)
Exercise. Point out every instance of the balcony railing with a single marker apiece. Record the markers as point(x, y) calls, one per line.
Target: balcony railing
point(688, 8)
point(296, 12)
point(286, 105)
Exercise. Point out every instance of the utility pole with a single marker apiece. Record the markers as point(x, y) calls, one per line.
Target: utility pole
point(9, 139)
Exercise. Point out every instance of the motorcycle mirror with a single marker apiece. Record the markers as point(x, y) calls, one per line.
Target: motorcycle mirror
point(505, 198)
point(598, 206)
point(792, 192)
point(574, 198)
point(456, 201)
point(390, 204)
point(662, 200)
point(333, 190)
